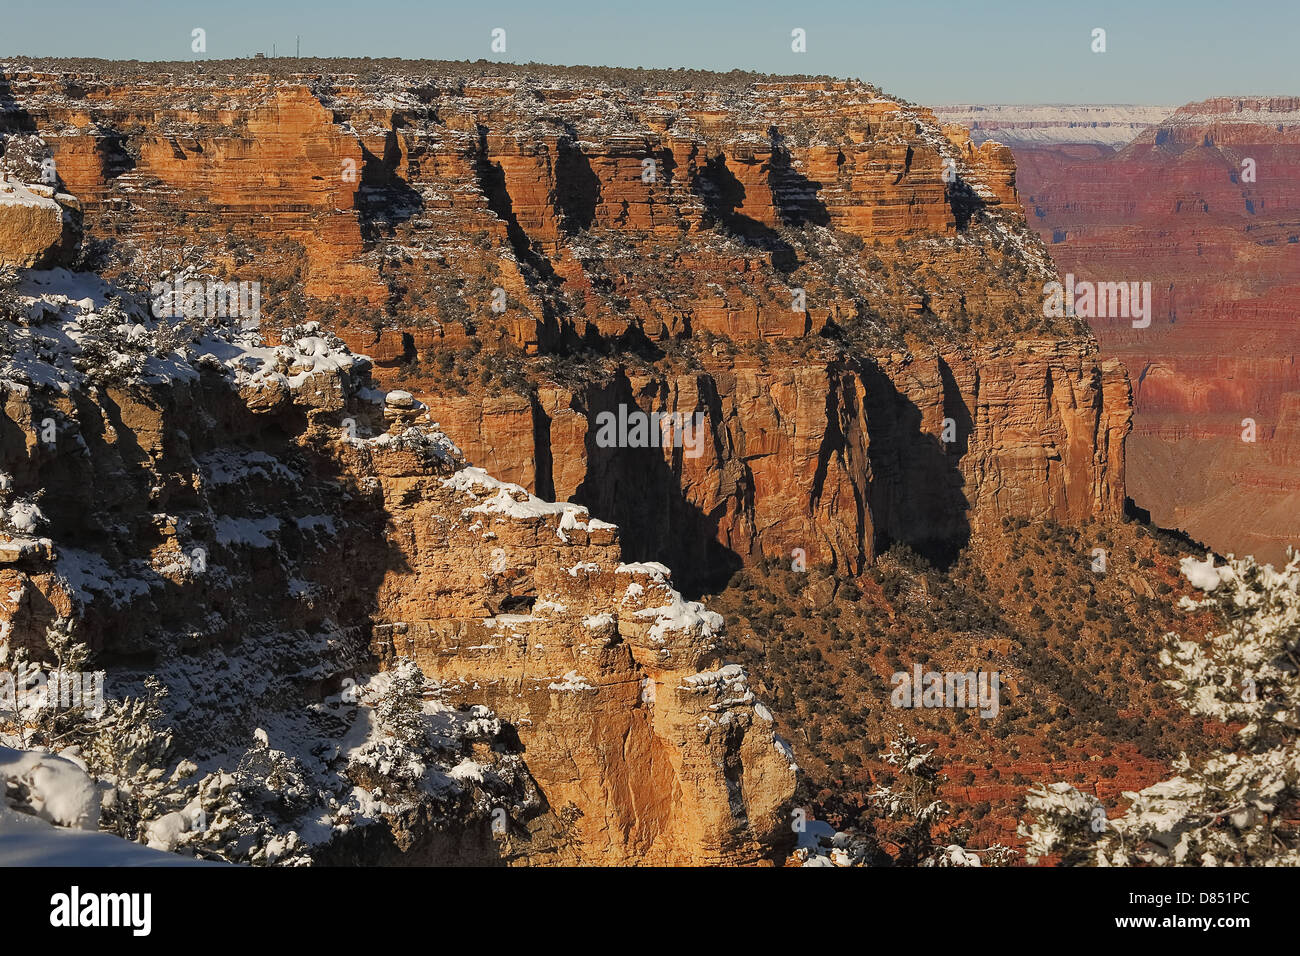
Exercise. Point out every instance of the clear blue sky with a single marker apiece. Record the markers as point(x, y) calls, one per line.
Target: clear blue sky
point(929, 51)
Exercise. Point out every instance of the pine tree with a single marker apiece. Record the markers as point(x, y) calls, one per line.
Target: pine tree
point(400, 712)
point(127, 750)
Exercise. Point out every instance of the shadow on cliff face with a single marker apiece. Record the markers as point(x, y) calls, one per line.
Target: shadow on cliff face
point(112, 146)
point(189, 527)
point(916, 481)
point(637, 489)
point(295, 546)
point(964, 202)
point(844, 444)
point(908, 486)
point(13, 118)
point(794, 194)
point(492, 180)
point(384, 199)
point(577, 187)
point(722, 194)
point(218, 478)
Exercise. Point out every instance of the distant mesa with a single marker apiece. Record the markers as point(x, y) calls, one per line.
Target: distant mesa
point(1112, 125)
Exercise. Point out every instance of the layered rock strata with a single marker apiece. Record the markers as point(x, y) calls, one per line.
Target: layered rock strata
point(262, 528)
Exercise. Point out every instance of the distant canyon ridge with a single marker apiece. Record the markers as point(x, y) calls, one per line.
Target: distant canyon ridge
point(1203, 201)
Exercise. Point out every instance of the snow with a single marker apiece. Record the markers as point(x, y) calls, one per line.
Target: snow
point(508, 621)
point(30, 841)
point(681, 616)
point(955, 855)
point(165, 832)
point(572, 681)
point(56, 789)
point(423, 439)
point(87, 574)
point(814, 831)
point(13, 193)
point(467, 770)
point(785, 750)
point(730, 673)
point(62, 307)
point(657, 572)
point(513, 501)
point(226, 466)
point(322, 523)
point(1203, 574)
point(25, 517)
point(252, 532)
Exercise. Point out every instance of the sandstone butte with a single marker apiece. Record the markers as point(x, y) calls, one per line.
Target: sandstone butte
point(1177, 207)
point(836, 282)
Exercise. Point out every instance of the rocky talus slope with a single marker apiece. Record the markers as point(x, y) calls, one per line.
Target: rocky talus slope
point(1206, 207)
point(824, 273)
point(266, 531)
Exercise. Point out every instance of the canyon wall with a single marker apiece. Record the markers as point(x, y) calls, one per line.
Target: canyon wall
point(1206, 207)
point(263, 529)
point(822, 272)
point(837, 458)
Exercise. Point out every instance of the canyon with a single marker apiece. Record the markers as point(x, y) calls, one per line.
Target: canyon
point(149, 505)
point(1205, 205)
point(461, 271)
point(1112, 125)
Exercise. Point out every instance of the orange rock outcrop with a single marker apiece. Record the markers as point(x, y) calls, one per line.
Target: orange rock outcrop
point(305, 530)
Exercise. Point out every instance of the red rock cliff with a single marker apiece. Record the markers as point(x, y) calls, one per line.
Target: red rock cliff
point(819, 270)
point(1204, 206)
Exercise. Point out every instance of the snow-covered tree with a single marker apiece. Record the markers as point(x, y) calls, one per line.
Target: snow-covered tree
point(399, 732)
point(913, 797)
point(245, 816)
point(1230, 808)
point(10, 308)
point(57, 722)
point(914, 812)
point(49, 708)
point(399, 710)
point(127, 751)
point(23, 517)
point(113, 346)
